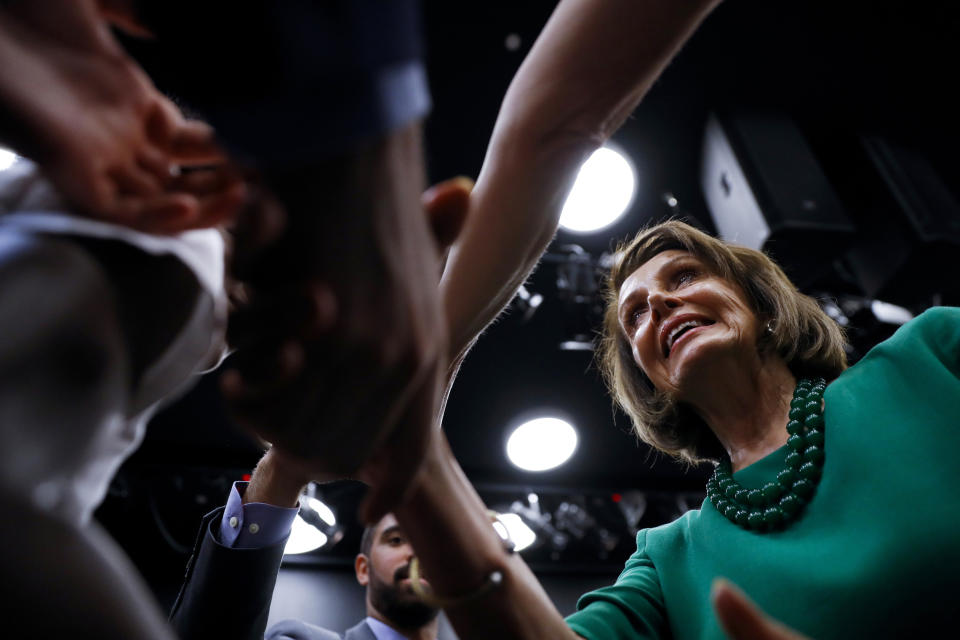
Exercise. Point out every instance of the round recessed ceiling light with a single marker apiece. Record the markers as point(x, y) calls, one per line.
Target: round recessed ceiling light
point(601, 194)
point(541, 444)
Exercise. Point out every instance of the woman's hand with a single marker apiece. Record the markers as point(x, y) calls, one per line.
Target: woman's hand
point(73, 101)
point(742, 619)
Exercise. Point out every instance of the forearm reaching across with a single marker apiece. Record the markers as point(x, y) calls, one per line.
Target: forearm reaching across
point(588, 70)
point(458, 548)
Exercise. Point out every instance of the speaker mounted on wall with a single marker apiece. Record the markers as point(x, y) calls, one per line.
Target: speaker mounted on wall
point(766, 190)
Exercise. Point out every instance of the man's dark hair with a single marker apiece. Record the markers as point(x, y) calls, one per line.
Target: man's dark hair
point(366, 541)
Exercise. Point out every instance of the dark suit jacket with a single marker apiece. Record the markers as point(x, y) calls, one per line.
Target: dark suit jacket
point(227, 593)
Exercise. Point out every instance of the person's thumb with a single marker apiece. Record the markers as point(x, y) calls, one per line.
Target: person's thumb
point(742, 619)
point(446, 205)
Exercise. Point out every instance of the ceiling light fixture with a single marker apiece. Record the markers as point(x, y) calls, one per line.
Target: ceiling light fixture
point(601, 194)
point(541, 444)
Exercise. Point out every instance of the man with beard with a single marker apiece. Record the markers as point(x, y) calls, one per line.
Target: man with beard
point(232, 573)
point(383, 567)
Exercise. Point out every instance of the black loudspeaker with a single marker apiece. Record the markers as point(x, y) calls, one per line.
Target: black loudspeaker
point(909, 242)
point(766, 190)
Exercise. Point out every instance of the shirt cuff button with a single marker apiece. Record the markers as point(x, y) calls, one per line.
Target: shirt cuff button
point(254, 528)
point(234, 522)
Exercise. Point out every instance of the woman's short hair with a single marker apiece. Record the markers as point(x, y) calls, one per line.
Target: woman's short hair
point(807, 339)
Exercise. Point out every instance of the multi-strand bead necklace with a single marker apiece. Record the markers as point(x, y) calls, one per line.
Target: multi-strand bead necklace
point(778, 504)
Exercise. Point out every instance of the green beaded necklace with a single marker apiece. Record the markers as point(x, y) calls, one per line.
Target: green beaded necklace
point(779, 503)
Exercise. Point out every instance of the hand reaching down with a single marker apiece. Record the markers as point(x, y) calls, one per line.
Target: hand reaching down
point(114, 146)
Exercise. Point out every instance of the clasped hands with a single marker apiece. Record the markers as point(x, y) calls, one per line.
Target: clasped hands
point(341, 338)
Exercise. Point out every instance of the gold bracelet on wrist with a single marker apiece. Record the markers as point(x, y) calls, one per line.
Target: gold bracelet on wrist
point(493, 580)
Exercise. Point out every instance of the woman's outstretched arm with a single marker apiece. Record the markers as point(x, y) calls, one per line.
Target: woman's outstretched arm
point(587, 71)
point(458, 548)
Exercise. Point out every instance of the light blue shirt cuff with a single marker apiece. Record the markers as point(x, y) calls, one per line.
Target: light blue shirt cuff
point(253, 525)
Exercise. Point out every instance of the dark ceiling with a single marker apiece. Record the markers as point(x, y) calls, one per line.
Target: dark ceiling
point(837, 69)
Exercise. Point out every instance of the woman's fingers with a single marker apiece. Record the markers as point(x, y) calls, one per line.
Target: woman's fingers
point(156, 162)
point(131, 180)
point(220, 193)
point(202, 182)
point(219, 208)
point(446, 205)
point(197, 200)
point(123, 14)
point(165, 213)
point(185, 142)
point(194, 143)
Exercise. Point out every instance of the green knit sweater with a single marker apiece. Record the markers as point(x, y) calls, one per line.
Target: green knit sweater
point(876, 553)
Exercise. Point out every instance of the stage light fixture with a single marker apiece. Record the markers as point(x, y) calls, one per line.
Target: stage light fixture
point(601, 194)
point(304, 538)
point(7, 158)
point(526, 302)
point(890, 313)
point(315, 525)
point(322, 510)
point(512, 527)
point(541, 444)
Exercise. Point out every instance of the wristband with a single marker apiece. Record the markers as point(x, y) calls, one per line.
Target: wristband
point(493, 580)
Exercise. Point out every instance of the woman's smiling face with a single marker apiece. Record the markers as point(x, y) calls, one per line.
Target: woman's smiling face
point(677, 316)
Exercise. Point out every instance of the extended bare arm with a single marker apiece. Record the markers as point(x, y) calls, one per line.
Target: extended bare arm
point(591, 65)
point(585, 74)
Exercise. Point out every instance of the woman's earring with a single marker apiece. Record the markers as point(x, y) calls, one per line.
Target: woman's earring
point(769, 328)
